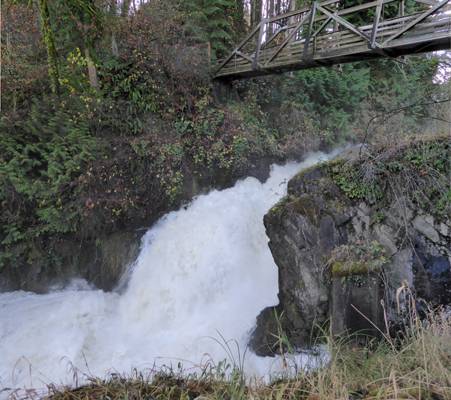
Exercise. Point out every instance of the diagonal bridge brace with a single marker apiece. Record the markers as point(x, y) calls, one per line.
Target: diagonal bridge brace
point(372, 44)
point(293, 32)
point(345, 23)
point(416, 21)
point(259, 43)
point(238, 48)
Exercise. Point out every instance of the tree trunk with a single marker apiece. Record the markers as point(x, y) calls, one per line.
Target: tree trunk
point(292, 20)
point(256, 12)
point(270, 8)
point(49, 41)
point(239, 16)
point(114, 48)
point(113, 17)
point(93, 78)
point(125, 8)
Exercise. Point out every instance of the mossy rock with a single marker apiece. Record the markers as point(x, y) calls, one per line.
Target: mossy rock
point(307, 206)
point(354, 268)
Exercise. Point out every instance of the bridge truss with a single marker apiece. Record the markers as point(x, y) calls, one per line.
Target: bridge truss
point(322, 35)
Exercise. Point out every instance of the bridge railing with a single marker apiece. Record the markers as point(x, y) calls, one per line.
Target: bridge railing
point(313, 34)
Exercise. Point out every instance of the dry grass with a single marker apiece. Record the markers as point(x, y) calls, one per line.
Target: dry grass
point(417, 365)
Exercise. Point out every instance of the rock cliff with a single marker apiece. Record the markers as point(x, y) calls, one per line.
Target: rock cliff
point(408, 241)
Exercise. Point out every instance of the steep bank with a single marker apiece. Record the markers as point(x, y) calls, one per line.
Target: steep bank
point(54, 263)
point(384, 213)
point(203, 269)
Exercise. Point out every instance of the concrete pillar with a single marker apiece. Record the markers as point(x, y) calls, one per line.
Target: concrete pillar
point(366, 298)
point(224, 91)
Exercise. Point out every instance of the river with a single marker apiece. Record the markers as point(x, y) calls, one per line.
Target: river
point(203, 275)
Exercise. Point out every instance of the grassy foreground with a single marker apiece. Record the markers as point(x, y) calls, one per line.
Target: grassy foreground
point(415, 366)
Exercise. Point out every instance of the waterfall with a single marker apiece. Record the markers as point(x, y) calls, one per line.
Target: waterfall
point(203, 272)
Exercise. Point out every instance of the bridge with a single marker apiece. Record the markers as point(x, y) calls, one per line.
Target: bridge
point(323, 35)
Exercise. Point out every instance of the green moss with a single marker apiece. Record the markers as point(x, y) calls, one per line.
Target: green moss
point(353, 268)
point(275, 213)
point(307, 206)
point(358, 259)
point(323, 166)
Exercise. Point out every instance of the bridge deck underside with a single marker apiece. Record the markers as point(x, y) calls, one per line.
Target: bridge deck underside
point(344, 46)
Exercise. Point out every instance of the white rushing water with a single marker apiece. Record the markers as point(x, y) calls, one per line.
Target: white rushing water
point(202, 270)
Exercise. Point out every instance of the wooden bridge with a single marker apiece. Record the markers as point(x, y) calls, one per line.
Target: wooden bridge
point(322, 35)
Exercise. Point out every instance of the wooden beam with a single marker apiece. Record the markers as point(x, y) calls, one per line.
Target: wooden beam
point(401, 8)
point(365, 6)
point(239, 46)
point(282, 28)
point(302, 10)
point(318, 31)
point(252, 60)
point(345, 23)
point(260, 36)
point(416, 21)
point(372, 43)
point(288, 38)
point(385, 54)
point(309, 30)
point(428, 2)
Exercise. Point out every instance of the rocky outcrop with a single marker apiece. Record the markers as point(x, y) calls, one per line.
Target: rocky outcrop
point(54, 266)
point(314, 219)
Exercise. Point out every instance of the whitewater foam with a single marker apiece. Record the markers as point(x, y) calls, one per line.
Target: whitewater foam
point(203, 271)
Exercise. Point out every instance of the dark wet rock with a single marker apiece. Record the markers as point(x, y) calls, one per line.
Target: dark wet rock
point(312, 220)
point(54, 266)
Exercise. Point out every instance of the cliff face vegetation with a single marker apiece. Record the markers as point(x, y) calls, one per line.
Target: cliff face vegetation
point(108, 119)
point(369, 219)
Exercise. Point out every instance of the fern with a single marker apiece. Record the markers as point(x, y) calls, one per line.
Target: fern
point(43, 163)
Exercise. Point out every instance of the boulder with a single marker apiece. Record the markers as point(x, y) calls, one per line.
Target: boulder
point(314, 219)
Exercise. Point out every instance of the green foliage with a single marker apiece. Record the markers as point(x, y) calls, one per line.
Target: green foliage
point(59, 19)
point(22, 63)
point(401, 84)
point(418, 170)
point(256, 131)
point(160, 69)
point(79, 24)
point(211, 139)
point(216, 16)
point(316, 104)
point(359, 258)
point(330, 97)
point(44, 157)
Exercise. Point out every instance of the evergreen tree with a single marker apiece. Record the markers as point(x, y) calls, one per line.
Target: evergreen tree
point(218, 16)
